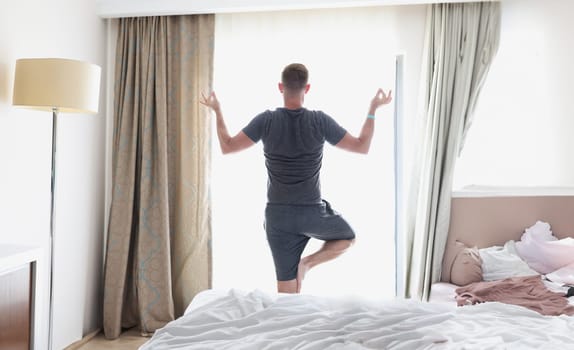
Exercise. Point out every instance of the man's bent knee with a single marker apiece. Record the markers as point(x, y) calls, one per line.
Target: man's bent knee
point(345, 244)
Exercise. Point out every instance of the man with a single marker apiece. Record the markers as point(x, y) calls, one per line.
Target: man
point(293, 139)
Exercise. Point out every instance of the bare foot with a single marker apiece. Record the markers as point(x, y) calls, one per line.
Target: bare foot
point(301, 271)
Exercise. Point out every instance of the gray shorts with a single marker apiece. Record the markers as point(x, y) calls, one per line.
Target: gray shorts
point(289, 228)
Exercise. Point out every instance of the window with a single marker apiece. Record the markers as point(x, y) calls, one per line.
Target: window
point(346, 69)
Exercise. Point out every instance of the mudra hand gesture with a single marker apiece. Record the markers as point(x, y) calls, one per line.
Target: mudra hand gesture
point(381, 99)
point(210, 101)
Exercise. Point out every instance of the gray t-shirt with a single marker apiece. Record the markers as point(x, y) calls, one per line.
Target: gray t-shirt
point(293, 147)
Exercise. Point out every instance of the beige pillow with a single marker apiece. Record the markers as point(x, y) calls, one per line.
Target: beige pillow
point(451, 251)
point(466, 267)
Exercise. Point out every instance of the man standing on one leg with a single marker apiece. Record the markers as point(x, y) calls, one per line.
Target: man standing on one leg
point(293, 139)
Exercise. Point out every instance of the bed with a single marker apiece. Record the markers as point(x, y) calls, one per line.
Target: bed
point(234, 319)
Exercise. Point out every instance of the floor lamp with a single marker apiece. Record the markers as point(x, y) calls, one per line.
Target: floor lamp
point(56, 85)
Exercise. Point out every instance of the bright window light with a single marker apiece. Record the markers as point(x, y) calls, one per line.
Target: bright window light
point(347, 62)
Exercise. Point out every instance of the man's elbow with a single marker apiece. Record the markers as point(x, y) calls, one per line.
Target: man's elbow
point(226, 148)
point(363, 147)
point(363, 150)
point(357, 147)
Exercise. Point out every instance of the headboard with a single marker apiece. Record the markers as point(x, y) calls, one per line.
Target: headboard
point(485, 221)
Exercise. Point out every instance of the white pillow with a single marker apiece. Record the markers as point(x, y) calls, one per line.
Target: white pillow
point(503, 262)
point(564, 275)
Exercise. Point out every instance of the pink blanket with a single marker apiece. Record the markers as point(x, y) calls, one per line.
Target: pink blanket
point(542, 251)
point(527, 291)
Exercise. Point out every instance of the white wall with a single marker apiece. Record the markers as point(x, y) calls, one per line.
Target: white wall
point(522, 133)
point(68, 29)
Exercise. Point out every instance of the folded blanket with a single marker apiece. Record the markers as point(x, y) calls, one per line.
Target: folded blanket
point(527, 291)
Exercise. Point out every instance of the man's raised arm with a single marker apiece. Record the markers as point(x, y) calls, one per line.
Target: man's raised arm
point(362, 143)
point(227, 143)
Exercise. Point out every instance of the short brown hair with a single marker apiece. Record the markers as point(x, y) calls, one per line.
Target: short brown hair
point(295, 77)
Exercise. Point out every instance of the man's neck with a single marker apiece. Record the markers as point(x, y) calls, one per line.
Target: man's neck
point(293, 105)
point(294, 101)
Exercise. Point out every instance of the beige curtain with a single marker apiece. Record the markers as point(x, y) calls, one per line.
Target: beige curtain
point(158, 248)
point(461, 41)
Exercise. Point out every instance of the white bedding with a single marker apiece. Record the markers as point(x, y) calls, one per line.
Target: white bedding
point(255, 320)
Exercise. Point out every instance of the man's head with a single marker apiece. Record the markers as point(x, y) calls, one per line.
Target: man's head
point(295, 77)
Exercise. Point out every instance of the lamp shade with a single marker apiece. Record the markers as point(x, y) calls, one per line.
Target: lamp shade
point(48, 83)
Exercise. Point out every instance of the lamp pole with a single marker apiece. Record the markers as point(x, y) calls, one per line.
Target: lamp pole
point(52, 225)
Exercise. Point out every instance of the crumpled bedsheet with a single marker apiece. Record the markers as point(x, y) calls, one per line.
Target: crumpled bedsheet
point(258, 321)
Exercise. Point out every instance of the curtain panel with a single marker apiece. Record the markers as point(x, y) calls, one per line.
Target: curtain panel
point(460, 44)
point(159, 236)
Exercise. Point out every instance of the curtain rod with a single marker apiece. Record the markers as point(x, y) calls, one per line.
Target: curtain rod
point(139, 8)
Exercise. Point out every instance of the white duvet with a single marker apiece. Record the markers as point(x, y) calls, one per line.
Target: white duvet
point(258, 321)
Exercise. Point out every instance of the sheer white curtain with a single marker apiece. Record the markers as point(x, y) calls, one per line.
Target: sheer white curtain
point(349, 53)
point(461, 42)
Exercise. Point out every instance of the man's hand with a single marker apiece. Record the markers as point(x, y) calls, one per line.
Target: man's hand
point(210, 101)
point(380, 99)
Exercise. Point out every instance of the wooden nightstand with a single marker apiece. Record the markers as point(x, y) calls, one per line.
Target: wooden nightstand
point(18, 281)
